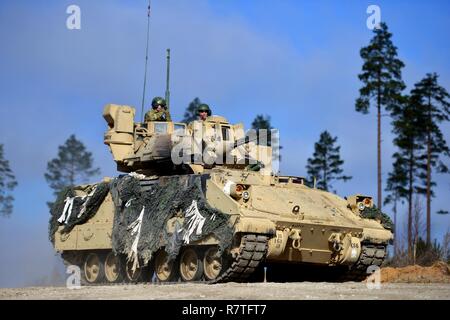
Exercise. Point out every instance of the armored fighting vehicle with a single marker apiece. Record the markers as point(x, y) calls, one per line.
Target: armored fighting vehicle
point(199, 202)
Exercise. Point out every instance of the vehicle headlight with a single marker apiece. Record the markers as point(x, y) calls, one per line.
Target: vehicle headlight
point(246, 195)
point(361, 206)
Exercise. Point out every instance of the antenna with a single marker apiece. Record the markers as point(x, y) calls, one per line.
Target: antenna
point(146, 60)
point(167, 79)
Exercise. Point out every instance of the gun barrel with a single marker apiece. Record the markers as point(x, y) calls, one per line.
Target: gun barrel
point(243, 141)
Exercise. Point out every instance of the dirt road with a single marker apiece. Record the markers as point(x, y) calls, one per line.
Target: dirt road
point(251, 291)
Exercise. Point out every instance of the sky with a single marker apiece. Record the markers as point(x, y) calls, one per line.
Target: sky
point(296, 61)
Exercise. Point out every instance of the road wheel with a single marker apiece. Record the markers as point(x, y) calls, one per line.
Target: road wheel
point(93, 270)
point(212, 265)
point(165, 270)
point(130, 274)
point(113, 268)
point(191, 266)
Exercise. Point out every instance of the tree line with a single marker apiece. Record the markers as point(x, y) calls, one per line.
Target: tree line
point(416, 118)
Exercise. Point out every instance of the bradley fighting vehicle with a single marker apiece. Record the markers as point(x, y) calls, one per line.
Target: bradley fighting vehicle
point(241, 215)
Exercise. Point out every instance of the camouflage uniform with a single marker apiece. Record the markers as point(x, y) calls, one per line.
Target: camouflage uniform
point(154, 115)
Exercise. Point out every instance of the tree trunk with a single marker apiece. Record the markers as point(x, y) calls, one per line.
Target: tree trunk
point(428, 190)
point(379, 200)
point(410, 194)
point(325, 171)
point(429, 175)
point(395, 226)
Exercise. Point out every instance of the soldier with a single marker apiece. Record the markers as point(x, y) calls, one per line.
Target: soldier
point(159, 111)
point(203, 111)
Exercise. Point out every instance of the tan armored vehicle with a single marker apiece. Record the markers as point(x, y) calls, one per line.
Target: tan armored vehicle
point(200, 202)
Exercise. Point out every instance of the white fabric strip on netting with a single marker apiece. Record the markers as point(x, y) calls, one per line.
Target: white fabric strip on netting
point(138, 176)
point(86, 200)
point(67, 211)
point(135, 227)
point(195, 221)
point(128, 203)
point(68, 206)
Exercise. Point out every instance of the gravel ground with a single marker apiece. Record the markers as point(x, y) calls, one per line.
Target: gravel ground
point(250, 291)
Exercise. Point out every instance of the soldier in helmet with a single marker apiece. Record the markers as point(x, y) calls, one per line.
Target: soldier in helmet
point(203, 112)
point(159, 111)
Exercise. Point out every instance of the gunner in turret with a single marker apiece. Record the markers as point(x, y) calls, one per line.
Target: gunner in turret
point(159, 111)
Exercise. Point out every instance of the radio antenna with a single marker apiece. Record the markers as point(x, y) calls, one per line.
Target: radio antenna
point(146, 61)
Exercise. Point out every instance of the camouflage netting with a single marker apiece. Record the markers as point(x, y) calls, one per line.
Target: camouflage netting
point(81, 210)
point(375, 213)
point(139, 233)
point(177, 196)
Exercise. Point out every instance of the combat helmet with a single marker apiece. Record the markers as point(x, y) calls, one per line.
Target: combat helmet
point(158, 101)
point(204, 107)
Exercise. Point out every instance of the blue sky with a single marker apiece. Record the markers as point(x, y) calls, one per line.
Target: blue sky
point(296, 61)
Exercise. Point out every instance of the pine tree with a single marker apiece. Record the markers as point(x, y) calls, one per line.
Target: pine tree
point(7, 184)
point(434, 101)
point(191, 111)
point(326, 164)
point(263, 123)
point(382, 79)
point(404, 181)
point(73, 165)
